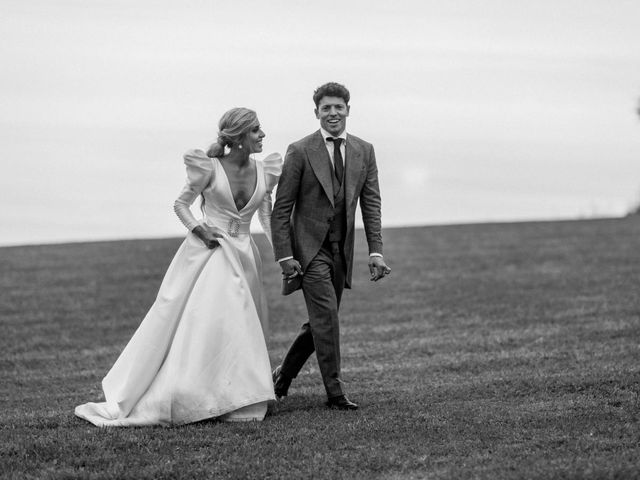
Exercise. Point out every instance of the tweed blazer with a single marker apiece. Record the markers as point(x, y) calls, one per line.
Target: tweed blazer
point(304, 206)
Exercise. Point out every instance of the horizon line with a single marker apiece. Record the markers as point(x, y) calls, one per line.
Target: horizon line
point(359, 227)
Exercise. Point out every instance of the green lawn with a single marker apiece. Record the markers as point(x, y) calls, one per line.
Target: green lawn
point(493, 351)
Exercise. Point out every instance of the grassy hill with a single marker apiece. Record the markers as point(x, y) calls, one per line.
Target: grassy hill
point(493, 351)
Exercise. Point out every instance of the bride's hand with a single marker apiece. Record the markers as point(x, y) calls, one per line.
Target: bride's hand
point(207, 235)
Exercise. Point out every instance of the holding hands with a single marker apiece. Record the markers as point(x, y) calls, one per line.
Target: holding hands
point(377, 267)
point(208, 236)
point(290, 268)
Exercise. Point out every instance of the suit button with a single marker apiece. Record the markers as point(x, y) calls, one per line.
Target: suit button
point(330, 219)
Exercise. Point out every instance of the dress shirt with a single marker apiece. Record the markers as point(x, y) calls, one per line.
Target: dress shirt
point(330, 145)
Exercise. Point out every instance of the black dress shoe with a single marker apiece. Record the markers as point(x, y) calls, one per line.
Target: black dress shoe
point(341, 402)
point(281, 383)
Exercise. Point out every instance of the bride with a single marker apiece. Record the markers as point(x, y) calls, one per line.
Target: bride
point(200, 351)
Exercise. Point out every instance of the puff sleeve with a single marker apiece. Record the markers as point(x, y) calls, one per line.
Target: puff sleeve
point(199, 176)
point(272, 166)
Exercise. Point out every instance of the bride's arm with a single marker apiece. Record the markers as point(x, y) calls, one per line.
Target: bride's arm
point(199, 176)
point(272, 169)
point(264, 216)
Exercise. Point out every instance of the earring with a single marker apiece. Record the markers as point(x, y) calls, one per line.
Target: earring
point(239, 147)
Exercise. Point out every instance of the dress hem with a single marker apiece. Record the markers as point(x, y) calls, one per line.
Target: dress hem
point(192, 419)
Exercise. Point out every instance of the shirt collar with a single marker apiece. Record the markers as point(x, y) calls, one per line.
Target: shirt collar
point(326, 134)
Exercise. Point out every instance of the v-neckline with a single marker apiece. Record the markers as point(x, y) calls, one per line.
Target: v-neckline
point(228, 183)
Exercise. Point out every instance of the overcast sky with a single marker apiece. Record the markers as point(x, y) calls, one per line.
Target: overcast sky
point(492, 110)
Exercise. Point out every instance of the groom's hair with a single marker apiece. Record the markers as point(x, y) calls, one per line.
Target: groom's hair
point(331, 89)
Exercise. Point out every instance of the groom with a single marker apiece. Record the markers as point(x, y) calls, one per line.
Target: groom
point(324, 176)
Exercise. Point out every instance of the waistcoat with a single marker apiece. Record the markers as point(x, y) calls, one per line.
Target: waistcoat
point(338, 225)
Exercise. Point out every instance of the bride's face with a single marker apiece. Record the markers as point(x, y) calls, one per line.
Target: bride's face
point(253, 139)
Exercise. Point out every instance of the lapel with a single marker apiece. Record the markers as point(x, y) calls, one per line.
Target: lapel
point(353, 168)
point(321, 164)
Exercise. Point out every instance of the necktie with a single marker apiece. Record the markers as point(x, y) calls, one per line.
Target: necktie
point(338, 163)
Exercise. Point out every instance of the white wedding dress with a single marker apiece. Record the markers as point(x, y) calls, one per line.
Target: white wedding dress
point(200, 351)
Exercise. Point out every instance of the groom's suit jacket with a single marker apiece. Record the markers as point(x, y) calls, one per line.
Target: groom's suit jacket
point(304, 206)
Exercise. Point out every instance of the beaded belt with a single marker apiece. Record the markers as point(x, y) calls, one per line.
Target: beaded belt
point(233, 226)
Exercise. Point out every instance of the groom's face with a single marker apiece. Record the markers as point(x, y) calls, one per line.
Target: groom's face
point(332, 113)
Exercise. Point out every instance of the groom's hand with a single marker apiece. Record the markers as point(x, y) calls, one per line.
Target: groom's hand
point(378, 268)
point(290, 267)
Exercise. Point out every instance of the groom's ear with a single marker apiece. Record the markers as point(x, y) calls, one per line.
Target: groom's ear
point(315, 110)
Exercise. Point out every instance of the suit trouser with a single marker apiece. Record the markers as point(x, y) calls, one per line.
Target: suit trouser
point(322, 287)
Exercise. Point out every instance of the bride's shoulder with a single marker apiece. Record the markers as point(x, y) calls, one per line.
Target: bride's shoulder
point(195, 156)
point(272, 165)
point(199, 166)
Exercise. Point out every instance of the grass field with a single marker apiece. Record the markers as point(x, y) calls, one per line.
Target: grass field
point(493, 351)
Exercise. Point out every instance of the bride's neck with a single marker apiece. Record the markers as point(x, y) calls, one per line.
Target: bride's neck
point(238, 157)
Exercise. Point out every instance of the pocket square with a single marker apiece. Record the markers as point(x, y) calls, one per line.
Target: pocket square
point(291, 284)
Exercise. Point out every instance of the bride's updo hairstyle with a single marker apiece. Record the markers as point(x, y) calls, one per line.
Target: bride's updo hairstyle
point(233, 126)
